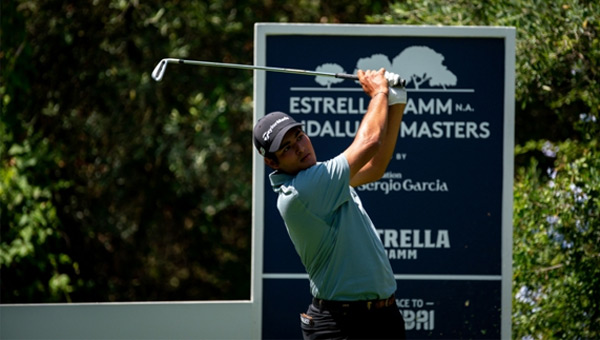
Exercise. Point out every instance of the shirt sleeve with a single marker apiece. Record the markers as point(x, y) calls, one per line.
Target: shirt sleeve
point(325, 186)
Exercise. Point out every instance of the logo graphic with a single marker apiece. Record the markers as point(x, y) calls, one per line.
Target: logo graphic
point(267, 134)
point(420, 66)
point(425, 71)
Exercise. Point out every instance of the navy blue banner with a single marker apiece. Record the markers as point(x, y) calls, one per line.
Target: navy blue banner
point(438, 208)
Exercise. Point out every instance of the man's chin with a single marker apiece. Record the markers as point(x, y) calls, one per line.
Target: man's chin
point(309, 160)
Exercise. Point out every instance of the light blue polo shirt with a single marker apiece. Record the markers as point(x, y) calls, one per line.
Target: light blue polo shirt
point(332, 233)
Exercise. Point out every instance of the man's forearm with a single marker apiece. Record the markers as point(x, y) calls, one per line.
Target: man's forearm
point(383, 156)
point(371, 132)
point(375, 122)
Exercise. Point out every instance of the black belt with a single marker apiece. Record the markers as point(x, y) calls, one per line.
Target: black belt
point(359, 305)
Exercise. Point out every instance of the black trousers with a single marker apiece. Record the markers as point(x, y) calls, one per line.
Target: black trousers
point(382, 323)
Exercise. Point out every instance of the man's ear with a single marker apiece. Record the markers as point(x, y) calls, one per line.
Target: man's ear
point(273, 164)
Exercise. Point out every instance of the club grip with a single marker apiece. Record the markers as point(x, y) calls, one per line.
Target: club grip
point(401, 82)
point(346, 76)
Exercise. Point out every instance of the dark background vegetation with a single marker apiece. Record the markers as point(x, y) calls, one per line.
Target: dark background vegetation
point(116, 188)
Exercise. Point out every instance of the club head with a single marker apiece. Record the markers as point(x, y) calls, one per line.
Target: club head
point(159, 70)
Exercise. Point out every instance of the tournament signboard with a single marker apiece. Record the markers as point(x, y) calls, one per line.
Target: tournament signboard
point(443, 208)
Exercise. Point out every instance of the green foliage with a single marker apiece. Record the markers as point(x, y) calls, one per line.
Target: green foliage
point(29, 248)
point(557, 242)
point(149, 214)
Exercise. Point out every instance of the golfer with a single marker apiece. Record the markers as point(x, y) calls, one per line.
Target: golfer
point(351, 279)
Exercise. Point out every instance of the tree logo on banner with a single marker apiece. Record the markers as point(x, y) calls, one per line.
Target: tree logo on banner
point(419, 65)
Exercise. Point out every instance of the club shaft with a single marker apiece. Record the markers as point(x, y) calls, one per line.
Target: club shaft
point(263, 68)
point(160, 68)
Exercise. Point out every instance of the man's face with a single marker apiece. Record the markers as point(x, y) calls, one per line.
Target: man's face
point(295, 154)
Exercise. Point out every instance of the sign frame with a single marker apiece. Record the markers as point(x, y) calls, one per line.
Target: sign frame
point(264, 30)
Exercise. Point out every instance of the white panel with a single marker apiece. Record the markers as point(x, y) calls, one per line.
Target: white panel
point(173, 320)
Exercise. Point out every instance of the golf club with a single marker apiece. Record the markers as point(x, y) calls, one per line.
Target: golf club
point(159, 70)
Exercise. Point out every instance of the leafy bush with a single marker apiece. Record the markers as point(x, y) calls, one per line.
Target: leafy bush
point(30, 248)
point(557, 241)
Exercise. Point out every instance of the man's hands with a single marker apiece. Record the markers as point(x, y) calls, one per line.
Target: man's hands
point(373, 82)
